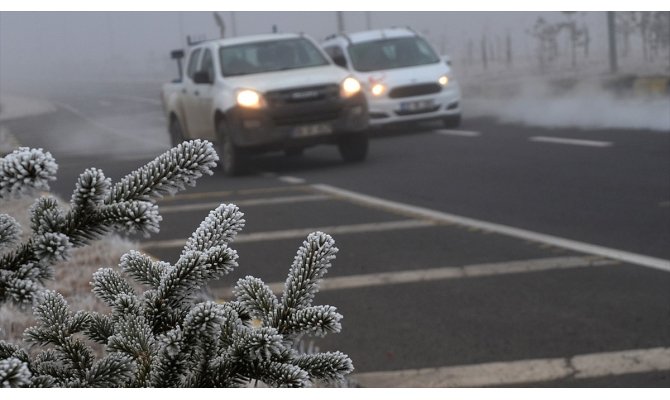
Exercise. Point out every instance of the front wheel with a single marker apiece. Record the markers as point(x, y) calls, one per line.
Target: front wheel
point(354, 147)
point(231, 156)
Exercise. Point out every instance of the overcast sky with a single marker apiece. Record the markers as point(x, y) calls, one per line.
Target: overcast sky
point(38, 45)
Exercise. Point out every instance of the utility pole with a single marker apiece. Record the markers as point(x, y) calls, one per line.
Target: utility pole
point(368, 20)
point(611, 32)
point(340, 21)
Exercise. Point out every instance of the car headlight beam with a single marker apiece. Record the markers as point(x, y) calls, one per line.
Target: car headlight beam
point(443, 80)
point(349, 87)
point(377, 89)
point(249, 98)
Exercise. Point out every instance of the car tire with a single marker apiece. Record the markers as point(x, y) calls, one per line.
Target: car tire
point(354, 147)
point(230, 156)
point(176, 132)
point(452, 121)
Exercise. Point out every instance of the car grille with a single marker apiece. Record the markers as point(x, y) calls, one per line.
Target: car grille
point(306, 118)
point(414, 90)
point(278, 98)
point(304, 105)
point(422, 111)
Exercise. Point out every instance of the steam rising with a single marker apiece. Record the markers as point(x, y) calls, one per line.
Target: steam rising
point(585, 105)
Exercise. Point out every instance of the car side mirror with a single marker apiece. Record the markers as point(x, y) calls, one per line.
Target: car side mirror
point(202, 77)
point(340, 60)
point(447, 60)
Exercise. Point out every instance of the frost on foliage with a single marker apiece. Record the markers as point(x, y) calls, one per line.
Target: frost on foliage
point(162, 336)
point(14, 373)
point(25, 170)
point(9, 231)
point(96, 208)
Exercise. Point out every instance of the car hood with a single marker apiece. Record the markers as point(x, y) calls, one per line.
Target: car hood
point(278, 80)
point(404, 76)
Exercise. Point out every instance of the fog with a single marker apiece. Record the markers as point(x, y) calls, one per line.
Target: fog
point(41, 52)
point(63, 45)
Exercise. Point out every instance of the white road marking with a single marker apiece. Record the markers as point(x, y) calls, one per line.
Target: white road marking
point(444, 273)
point(241, 192)
point(449, 132)
point(244, 203)
point(441, 217)
point(303, 232)
point(523, 371)
point(575, 142)
point(292, 180)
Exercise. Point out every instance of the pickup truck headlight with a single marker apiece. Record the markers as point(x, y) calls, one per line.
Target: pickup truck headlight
point(250, 99)
point(349, 87)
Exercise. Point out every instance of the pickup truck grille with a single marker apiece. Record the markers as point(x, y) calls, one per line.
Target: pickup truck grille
point(305, 94)
point(304, 105)
point(306, 118)
point(415, 90)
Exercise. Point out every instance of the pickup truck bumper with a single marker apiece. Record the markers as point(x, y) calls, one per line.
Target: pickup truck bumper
point(281, 126)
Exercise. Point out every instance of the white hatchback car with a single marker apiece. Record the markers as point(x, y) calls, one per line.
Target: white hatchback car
point(403, 77)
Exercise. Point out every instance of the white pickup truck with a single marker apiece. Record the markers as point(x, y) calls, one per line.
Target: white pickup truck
point(263, 93)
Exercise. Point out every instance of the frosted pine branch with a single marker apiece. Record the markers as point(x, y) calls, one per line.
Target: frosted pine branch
point(25, 170)
point(309, 266)
point(167, 174)
point(14, 373)
point(9, 231)
point(160, 333)
point(96, 208)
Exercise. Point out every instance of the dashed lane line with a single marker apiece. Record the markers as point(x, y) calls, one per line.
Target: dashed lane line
point(244, 203)
point(444, 273)
point(446, 218)
point(574, 142)
point(448, 132)
point(522, 372)
point(303, 232)
point(241, 192)
point(292, 180)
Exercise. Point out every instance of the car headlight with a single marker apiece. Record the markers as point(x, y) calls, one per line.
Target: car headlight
point(377, 89)
point(250, 99)
point(349, 87)
point(443, 80)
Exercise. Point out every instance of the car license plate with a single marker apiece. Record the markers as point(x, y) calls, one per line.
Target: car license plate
point(312, 130)
point(416, 105)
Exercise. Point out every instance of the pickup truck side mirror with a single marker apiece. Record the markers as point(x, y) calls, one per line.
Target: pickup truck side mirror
point(202, 77)
point(340, 60)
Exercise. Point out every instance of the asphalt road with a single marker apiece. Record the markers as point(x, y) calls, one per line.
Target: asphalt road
point(493, 255)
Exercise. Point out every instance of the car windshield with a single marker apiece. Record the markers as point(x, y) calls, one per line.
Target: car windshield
point(391, 53)
point(275, 55)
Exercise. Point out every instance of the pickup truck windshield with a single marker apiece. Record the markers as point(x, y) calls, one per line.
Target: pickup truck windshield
point(276, 55)
point(391, 53)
